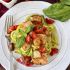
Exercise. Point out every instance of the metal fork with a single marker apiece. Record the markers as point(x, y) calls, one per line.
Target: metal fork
point(9, 22)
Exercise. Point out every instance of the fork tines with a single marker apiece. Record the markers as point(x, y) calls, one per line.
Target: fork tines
point(8, 22)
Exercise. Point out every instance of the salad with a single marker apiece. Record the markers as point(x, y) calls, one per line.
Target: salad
point(35, 40)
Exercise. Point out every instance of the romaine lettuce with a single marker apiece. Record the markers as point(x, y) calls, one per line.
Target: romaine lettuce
point(58, 11)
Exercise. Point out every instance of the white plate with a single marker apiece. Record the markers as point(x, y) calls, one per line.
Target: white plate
point(20, 11)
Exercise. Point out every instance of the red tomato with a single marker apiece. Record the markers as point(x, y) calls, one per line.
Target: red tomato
point(54, 51)
point(49, 21)
point(36, 22)
point(28, 64)
point(33, 35)
point(35, 28)
point(42, 49)
point(27, 58)
point(20, 60)
point(39, 31)
point(28, 39)
point(44, 28)
point(39, 23)
point(15, 27)
point(12, 28)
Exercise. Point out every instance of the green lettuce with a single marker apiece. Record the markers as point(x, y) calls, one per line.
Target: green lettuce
point(29, 28)
point(66, 2)
point(58, 11)
point(20, 40)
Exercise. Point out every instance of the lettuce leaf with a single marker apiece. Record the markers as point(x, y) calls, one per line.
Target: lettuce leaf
point(58, 11)
point(20, 41)
point(20, 38)
point(29, 28)
point(66, 2)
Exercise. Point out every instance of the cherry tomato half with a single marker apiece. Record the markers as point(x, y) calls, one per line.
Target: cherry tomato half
point(36, 23)
point(35, 28)
point(54, 51)
point(20, 60)
point(15, 27)
point(28, 39)
point(28, 60)
point(44, 28)
point(39, 31)
point(49, 21)
point(33, 35)
point(28, 64)
point(12, 28)
point(42, 49)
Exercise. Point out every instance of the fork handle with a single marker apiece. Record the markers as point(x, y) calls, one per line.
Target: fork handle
point(11, 61)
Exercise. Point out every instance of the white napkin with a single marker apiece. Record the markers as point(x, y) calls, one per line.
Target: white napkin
point(10, 4)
